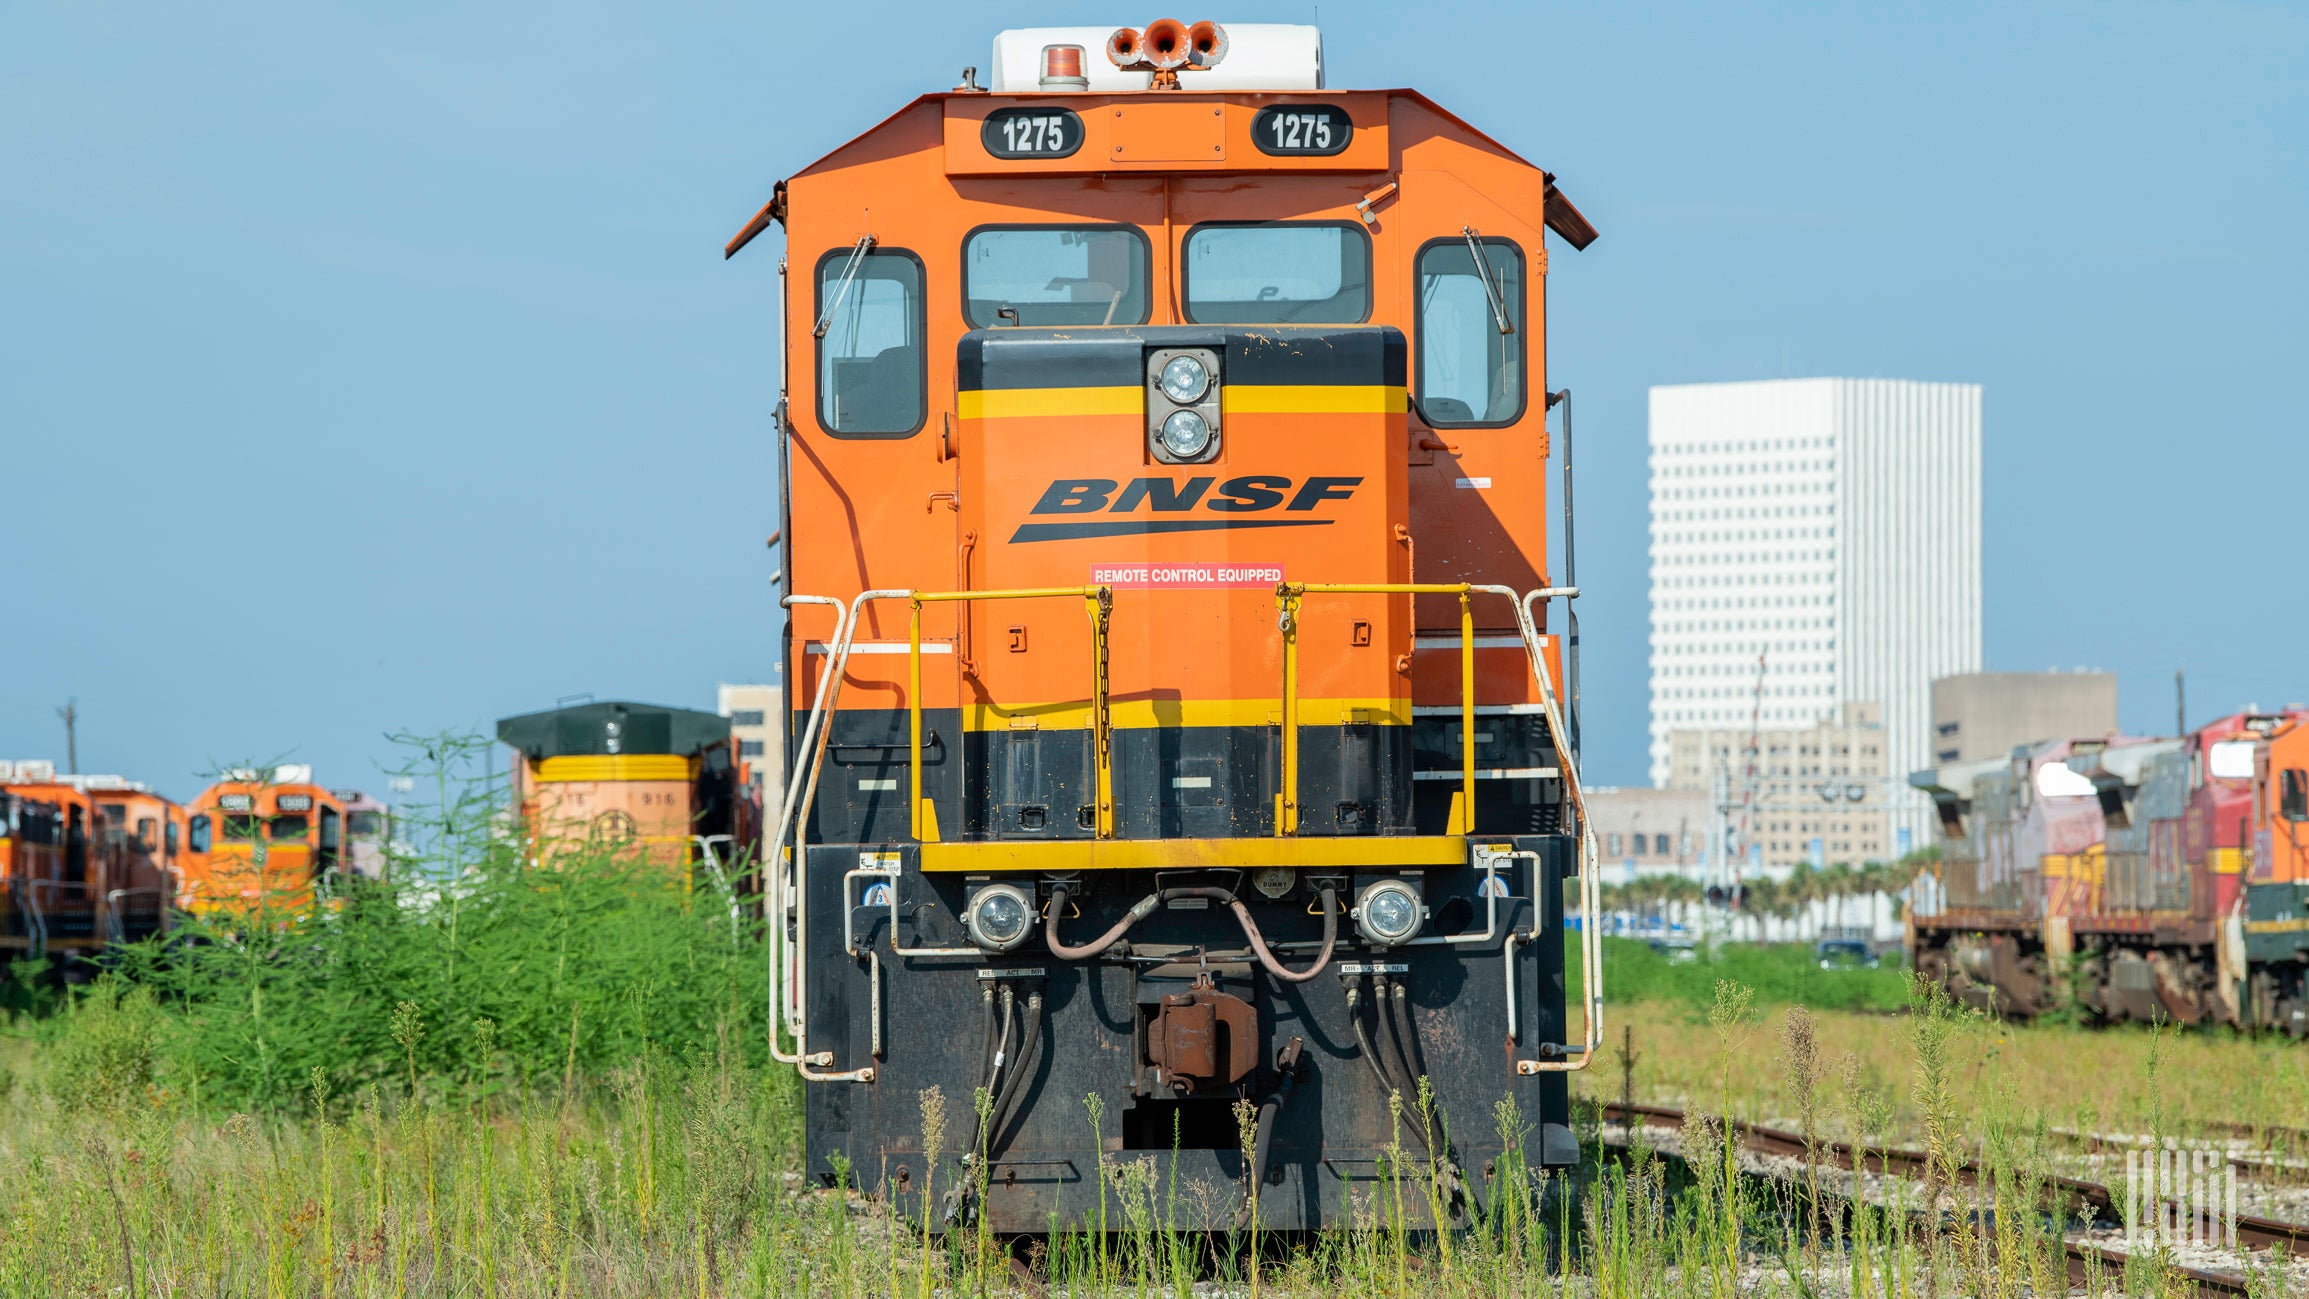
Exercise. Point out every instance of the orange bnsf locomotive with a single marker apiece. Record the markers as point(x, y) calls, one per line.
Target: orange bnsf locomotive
point(85, 861)
point(1175, 718)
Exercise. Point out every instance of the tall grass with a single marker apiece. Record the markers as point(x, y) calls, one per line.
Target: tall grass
point(485, 1077)
point(577, 969)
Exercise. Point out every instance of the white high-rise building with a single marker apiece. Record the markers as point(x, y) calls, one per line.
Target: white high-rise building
point(1821, 536)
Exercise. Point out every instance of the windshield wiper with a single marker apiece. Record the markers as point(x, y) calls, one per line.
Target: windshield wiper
point(1491, 294)
point(842, 289)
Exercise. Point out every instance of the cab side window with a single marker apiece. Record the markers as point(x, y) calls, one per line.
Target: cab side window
point(1470, 333)
point(872, 361)
point(196, 833)
point(2293, 795)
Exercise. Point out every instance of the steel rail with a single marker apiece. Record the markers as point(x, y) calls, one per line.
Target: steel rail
point(1892, 1161)
point(1898, 1162)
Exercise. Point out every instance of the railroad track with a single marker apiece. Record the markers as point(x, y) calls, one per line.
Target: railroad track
point(2067, 1192)
point(1891, 1161)
point(2245, 1162)
point(2256, 1131)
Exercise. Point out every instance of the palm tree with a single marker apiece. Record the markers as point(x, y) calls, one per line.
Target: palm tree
point(1839, 882)
point(1760, 898)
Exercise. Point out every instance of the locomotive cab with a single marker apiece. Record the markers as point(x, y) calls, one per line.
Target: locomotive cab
point(615, 778)
point(264, 844)
point(1175, 716)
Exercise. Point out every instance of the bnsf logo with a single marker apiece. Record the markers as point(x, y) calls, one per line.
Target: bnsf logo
point(1169, 496)
point(1251, 494)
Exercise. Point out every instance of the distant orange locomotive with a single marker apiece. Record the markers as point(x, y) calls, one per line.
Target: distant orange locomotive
point(1166, 453)
point(85, 861)
point(263, 841)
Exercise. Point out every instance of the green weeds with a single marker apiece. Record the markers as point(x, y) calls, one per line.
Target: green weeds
point(483, 1077)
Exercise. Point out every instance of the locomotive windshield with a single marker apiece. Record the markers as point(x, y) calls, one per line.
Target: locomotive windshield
point(1470, 368)
point(1056, 275)
point(870, 356)
point(1300, 272)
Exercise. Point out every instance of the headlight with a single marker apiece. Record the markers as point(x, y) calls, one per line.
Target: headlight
point(998, 917)
point(1185, 435)
point(1388, 913)
point(1184, 380)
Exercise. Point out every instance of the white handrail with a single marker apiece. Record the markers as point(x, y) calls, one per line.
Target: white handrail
point(785, 889)
point(793, 820)
point(1590, 941)
point(777, 860)
point(790, 891)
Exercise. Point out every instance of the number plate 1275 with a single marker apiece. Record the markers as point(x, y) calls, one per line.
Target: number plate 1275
point(1032, 132)
point(1302, 130)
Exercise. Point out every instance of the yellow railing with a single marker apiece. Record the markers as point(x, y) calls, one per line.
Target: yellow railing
point(1287, 598)
point(1099, 601)
point(785, 894)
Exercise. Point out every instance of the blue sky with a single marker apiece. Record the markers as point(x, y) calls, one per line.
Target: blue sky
point(369, 369)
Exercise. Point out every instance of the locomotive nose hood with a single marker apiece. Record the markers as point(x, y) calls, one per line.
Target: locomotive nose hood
point(1075, 473)
point(1292, 450)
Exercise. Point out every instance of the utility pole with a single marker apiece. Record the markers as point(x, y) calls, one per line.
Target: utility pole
point(2180, 701)
point(1749, 786)
point(1628, 1076)
point(71, 715)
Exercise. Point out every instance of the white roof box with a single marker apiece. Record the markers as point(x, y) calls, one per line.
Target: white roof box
point(92, 784)
point(1260, 56)
point(288, 773)
point(29, 771)
point(2129, 762)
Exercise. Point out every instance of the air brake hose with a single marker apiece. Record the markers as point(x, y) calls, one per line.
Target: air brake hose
point(1391, 1047)
point(1029, 1054)
point(960, 1200)
point(1262, 1142)
point(1147, 905)
point(1364, 1043)
point(1267, 958)
point(1388, 1032)
point(998, 1054)
point(1406, 1039)
point(1097, 946)
point(1394, 1007)
point(986, 1033)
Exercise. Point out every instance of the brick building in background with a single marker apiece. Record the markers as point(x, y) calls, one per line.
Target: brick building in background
point(1830, 781)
